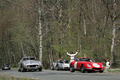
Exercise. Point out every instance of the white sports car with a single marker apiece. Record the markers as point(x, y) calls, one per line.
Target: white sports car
point(60, 64)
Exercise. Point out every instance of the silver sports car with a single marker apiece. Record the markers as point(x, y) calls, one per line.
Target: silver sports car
point(29, 63)
point(60, 64)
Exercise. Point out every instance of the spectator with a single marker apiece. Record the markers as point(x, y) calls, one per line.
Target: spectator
point(84, 55)
point(72, 56)
point(107, 64)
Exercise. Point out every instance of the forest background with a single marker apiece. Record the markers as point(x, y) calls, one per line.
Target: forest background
point(46, 28)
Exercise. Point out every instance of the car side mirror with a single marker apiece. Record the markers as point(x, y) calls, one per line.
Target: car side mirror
point(76, 60)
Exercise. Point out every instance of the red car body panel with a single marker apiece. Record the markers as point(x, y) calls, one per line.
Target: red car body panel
point(88, 65)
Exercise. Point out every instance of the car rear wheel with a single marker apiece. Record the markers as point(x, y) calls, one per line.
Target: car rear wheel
point(71, 69)
point(82, 69)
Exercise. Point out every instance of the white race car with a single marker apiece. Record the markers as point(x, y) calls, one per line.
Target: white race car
point(60, 65)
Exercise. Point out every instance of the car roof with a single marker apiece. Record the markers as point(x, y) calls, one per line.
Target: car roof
point(29, 57)
point(84, 57)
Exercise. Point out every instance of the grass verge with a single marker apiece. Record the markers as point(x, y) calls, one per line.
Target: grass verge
point(112, 70)
point(7, 77)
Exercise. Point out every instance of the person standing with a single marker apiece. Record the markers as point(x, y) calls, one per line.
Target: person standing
point(72, 56)
point(84, 55)
point(107, 64)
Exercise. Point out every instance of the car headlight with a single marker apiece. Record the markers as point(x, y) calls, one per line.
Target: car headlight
point(24, 64)
point(88, 65)
point(96, 65)
point(102, 65)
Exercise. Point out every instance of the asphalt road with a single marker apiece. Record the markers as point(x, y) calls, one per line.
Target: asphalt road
point(61, 75)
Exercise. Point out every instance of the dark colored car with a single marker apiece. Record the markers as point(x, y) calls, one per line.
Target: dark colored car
point(6, 67)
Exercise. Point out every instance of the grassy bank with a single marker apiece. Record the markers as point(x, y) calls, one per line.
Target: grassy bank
point(112, 70)
point(6, 77)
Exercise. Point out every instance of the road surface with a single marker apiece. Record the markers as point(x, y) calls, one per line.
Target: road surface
point(61, 75)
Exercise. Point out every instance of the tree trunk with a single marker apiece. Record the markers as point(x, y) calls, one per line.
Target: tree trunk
point(114, 34)
point(23, 49)
point(40, 30)
point(60, 25)
point(84, 21)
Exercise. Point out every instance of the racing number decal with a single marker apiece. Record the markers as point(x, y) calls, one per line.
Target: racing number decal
point(75, 65)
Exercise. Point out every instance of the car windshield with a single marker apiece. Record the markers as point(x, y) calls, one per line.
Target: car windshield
point(26, 59)
point(86, 59)
point(29, 58)
point(66, 61)
point(63, 61)
point(32, 58)
point(60, 61)
point(7, 65)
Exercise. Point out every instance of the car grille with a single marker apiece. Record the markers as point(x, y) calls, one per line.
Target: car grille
point(32, 66)
point(97, 68)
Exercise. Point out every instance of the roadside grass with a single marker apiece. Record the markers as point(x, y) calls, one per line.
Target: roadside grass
point(113, 70)
point(6, 77)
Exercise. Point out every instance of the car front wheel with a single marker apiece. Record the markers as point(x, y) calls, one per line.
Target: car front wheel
point(57, 67)
point(101, 71)
point(40, 69)
point(23, 69)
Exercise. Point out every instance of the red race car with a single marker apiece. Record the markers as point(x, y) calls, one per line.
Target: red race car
point(84, 64)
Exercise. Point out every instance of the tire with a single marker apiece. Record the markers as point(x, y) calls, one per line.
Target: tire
point(23, 69)
point(88, 71)
point(19, 70)
point(71, 69)
point(52, 67)
point(101, 71)
point(40, 69)
point(57, 68)
point(82, 69)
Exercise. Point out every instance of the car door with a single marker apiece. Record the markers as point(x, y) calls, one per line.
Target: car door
point(76, 64)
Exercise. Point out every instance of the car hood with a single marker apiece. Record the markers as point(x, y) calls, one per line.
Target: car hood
point(94, 64)
point(32, 62)
point(66, 64)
